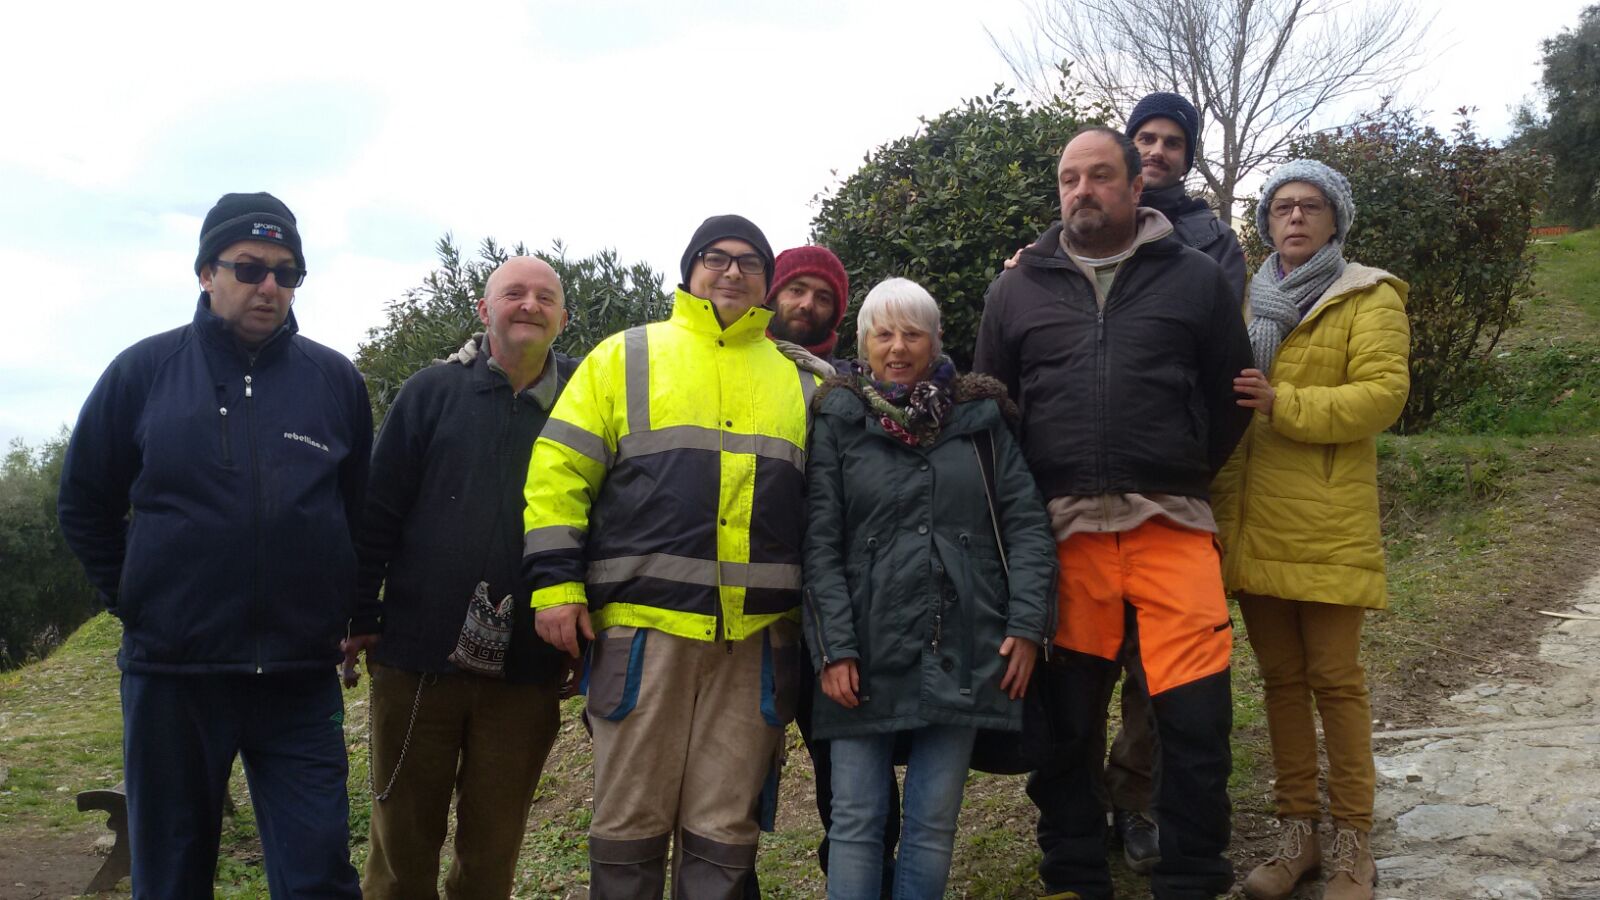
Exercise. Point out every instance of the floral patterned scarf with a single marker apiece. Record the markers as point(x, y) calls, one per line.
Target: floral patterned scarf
point(912, 413)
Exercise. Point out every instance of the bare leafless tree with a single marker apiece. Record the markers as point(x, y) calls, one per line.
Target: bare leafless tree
point(1260, 71)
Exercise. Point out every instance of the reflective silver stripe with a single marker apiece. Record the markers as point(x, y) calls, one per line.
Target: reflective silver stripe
point(677, 437)
point(764, 445)
point(808, 386)
point(695, 437)
point(657, 565)
point(552, 537)
point(590, 445)
point(636, 353)
point(687, 570)
point(762, 575)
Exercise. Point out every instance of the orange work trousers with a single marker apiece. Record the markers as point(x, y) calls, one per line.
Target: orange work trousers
point(1171, 576)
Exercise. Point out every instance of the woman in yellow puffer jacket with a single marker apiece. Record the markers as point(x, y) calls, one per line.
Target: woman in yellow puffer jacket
point(1297, 512)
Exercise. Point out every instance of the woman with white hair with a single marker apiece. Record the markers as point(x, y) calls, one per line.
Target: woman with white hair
point(929, 586)
point(1297, 514)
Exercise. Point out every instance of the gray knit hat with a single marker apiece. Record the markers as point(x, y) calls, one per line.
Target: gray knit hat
point(1333, 185)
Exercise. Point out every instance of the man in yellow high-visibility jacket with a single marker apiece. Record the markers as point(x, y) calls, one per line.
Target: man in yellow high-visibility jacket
point(664, 523)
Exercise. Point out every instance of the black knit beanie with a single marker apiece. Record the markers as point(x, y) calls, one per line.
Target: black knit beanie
point(247, 217)
point(1171, 106)
point(730, 226)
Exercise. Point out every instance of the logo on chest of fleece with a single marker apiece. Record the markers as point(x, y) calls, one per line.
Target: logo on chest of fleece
point(290, 435)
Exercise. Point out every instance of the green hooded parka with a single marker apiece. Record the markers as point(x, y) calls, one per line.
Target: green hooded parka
point(902, 569)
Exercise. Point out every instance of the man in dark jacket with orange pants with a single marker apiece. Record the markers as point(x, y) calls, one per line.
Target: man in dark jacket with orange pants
point(240, 450)
point(1120, 345)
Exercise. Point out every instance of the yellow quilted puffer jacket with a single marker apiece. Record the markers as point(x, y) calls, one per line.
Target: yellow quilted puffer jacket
point(1297, 504)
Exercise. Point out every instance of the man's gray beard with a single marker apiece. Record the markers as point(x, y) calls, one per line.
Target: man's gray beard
point(1100, 236)
point(1081, 231)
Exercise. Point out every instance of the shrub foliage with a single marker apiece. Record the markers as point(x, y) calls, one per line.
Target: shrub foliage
point(44, 594)
point(1449, 214)
point(948, 204)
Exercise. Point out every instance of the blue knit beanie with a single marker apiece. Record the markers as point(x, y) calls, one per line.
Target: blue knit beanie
point(1330, 182)
point(1171, 106)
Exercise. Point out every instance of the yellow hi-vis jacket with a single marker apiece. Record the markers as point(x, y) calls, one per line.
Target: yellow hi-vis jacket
point(667, 491)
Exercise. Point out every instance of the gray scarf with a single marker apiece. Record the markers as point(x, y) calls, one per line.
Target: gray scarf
point(1278, 302)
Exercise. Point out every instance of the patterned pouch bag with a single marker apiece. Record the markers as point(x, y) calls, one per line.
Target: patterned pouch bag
point(485, 636)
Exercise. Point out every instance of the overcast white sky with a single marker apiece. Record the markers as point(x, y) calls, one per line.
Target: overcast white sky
point(383, 126)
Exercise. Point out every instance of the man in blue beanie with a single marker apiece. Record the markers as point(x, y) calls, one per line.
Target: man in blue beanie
point(1164, 128)
point(212, 490)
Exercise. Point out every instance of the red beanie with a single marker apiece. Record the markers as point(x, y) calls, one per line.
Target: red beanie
point(818, 262)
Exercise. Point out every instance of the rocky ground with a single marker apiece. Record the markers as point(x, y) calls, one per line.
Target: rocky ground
point(1499, 797)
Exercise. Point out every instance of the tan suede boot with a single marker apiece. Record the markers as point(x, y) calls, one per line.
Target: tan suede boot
point(1352, 873)
point(1298, 856)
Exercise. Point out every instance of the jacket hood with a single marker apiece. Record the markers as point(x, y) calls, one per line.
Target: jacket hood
point(1173, 201)
point(968, 388)
point(1152, 233)
point(805, 359)
point(1356, 278)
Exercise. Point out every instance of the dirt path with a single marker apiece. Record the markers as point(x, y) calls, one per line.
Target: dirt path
point(42, 866)
point(1499, 797)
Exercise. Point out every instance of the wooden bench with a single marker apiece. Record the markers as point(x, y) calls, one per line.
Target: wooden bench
point(117, 866)
point(114, 801)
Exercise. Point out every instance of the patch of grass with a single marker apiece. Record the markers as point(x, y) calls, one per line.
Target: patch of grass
point(1424, 477)
point(61, 731)
point(1569, 269)
point(1545, 375)
point(1534, 389)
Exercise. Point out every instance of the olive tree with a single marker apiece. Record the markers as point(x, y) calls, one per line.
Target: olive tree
point(603, 296)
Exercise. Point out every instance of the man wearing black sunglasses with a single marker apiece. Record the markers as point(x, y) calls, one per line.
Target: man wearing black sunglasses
point(240, 449)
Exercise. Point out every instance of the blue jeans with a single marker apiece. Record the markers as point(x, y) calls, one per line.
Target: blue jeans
point(935, 776)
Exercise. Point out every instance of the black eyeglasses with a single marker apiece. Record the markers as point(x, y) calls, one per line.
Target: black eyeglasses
point(717, 261)
point(254, 273)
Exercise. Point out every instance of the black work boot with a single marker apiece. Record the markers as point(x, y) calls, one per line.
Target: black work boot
point(1140, 844)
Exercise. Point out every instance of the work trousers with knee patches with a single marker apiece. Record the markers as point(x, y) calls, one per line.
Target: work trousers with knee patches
point(687, 734)
point(1163, 583)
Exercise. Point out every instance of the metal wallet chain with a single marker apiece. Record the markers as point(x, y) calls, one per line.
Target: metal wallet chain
point(405, 744)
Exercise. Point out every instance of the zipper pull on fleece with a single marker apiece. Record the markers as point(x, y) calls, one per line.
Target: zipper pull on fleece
point(247, 392)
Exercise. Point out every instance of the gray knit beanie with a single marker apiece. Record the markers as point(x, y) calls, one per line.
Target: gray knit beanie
point(1333, 185)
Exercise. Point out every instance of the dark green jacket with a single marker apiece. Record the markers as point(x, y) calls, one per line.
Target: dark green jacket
point(902, 570)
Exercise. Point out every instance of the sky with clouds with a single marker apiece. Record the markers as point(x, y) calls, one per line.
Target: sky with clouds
point(599, 122)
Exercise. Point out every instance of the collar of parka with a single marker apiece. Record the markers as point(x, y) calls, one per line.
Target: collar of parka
point(700, 315)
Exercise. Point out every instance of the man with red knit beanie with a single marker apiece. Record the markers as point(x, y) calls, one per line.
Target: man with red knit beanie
point(809, 295)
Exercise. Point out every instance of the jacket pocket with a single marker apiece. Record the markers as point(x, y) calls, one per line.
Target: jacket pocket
point(862, 601)
point(1329, 452)
point(227, 445)
point(616, 667)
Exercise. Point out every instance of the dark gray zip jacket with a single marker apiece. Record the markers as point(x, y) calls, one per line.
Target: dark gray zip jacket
point(902, 567)
point(1133, 398)
point(1198, 227)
